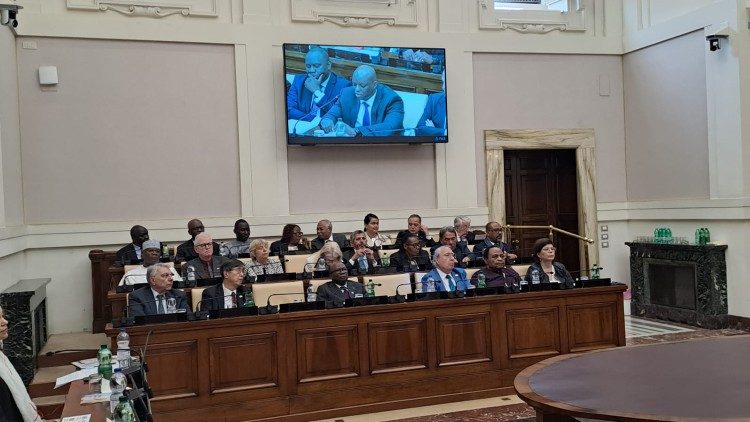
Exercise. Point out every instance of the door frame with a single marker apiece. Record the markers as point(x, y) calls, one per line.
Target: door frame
point(582, 140)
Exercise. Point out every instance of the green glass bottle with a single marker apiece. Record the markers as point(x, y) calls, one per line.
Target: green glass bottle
point(481, 281)
point(370, 288)
point(104, 357)
point(123, 411)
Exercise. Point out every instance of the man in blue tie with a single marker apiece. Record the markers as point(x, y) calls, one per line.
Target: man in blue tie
point(446, 276)
point(367, 108)
point(152, 299)
point(360, 257)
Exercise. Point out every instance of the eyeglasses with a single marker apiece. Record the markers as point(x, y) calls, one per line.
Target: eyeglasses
point(204, 245)
point(549, 249)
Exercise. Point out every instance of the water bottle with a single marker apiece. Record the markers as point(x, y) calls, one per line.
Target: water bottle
point(340, 128)
point(311, 295)
point(370, 288)
point(707, 234)
point(430, 285)
point(535, 276)
point(481, 281)
point(124, 411)
point(321, 265)
point(668, 235)
point(698, 236)
point(123, 348)
point(104, 357)
point(249, 300)
point(385, 260)
point(191, 275)
point(164, 251)
point(117, 384)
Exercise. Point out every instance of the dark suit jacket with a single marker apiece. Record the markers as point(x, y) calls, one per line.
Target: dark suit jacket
point(434, 110)
point(280, 248)
point(426, 241)
point(299, 99)
point(402, 262)
point(386, 114)
point(560, 272)
point(504, 277)
point(200, 271)
point(213, 297)
point(141, 302)
point(126, 252)
point(186, 251)
point(461, 251)
point(486, 243)
point(318, 243)
point(348, 255)
point(331, 292)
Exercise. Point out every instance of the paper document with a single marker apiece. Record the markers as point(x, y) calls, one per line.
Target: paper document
point(81, 418)
point(86, 363)
point(95, 398)
point(77, 375)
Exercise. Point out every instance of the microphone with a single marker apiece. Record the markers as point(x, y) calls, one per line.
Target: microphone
point(132, 304)
point(313, 111)
point(240, 293)
point(271, 309)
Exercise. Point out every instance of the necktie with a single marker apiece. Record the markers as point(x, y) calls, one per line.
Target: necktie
point(234, 299)
point(363, 263)
point(366, 116)
point(451, 284)
point(345, 291)
point(160, 305)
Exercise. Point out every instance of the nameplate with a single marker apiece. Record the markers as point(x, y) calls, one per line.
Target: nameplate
point(302, 306)
point(598, 282)
point(232, 312)
point(365, 301)
point(158, 319)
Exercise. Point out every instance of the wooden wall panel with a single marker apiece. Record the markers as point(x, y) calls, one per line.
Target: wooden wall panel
point(243, 362)
point(398, 345)
point(164, 378)
point(533, 333)
point(592, 326)
point(327, 353)
point(463, 339)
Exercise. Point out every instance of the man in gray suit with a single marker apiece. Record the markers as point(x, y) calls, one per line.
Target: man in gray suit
point(152, 299)
point(339, 288)
point(367, 108)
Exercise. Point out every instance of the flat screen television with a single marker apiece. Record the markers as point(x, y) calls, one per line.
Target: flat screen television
point(337, 94)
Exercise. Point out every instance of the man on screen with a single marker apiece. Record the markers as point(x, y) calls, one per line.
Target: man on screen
point(434, 120)
point(367, 108)
point(315, 91)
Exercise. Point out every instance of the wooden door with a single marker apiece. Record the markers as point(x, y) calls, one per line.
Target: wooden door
point(540, 189)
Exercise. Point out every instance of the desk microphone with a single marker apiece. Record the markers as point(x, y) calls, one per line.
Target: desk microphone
point(271, 309)
point(240, 294)
point(400, 297)
point(313, 111)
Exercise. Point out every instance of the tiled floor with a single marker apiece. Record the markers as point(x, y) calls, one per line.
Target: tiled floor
point(511, 408)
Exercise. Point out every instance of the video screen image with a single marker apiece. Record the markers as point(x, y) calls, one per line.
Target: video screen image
point(357, 95)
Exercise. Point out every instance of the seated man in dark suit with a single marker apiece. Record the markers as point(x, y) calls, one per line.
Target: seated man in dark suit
point(415, 226)
point(132, 252)
point(360, 257)
point(152, 299)
point(448, 237)
point(314, 92)
point(367, 108)
point(230, 293)
point(434, 121)
point(494, 237)
point(340, 287)
point(325, 234)
point(411, 257)
point(496, 272)
point(206, 265)
point(445, 276)
point(186, 250)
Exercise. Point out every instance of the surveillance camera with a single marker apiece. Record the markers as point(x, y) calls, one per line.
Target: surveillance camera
point(8, 13)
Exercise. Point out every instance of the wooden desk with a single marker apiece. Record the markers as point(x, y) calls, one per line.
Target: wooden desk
point(695, 380)
point(73, 406)
point(321, 364)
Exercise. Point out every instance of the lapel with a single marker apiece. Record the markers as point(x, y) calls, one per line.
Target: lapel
point(151, 308)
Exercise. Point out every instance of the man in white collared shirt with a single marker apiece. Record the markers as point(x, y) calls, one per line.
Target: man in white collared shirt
point(446, 276)
point(152, 300)
point(229, 293)
point(326, 234)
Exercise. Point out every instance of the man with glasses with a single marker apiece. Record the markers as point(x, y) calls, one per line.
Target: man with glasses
point(230, 293)
point(186, 250)
point(340, 287)
point(445, 275)
point(411, 256)
point(152, 299)
point(449, 238)
point(206, 265)
point(494, 237)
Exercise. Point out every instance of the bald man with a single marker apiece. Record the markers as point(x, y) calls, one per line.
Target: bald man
point(315, 91)
point(368, 108)
point(186, 250)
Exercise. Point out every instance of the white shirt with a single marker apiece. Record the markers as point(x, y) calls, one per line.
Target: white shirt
point(228, 297)
point(138, 276)
point(361, 114)
point(444, 280)
point(137, 250)
point(321, 92)
point(378, 240)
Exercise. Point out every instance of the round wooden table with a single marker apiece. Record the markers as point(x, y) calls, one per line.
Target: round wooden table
point(695, 380)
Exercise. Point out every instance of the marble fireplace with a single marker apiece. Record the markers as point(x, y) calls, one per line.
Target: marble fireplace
point(681, 283)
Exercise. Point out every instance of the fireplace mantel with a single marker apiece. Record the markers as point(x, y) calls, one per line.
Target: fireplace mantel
point(710, 282)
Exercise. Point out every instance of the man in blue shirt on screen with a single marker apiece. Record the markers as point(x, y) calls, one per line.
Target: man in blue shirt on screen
point(315, 91)
point(367, 108)
point(434, 120)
